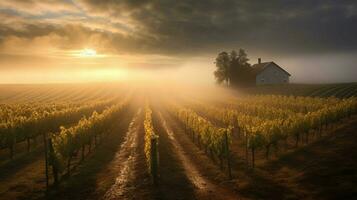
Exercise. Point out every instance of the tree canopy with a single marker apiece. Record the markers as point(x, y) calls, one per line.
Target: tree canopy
point(231, 67)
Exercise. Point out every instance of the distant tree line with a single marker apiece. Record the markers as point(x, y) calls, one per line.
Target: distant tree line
point(233, 68)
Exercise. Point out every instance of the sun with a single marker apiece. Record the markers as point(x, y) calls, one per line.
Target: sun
point(88, 53)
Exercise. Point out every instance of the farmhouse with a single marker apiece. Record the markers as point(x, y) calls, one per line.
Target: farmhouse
point(269, 73)
point(262, 73)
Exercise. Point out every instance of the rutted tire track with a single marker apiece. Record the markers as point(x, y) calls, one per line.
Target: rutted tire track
point(125, 160)
point(173, 181)
point(204, 188)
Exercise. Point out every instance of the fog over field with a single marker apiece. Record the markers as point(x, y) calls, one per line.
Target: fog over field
point(89, 40)
point(178, 99)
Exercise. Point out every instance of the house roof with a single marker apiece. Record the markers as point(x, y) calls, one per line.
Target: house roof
point(257, 68)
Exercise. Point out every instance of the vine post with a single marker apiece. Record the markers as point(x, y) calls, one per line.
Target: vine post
point(52, 161)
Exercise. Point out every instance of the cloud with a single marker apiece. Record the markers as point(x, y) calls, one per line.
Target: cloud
point(70, 36)
point(37, 7)
point(187, 27)
point(281, 26)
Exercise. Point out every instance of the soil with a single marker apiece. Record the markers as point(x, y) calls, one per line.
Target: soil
point(204, 186)
point(326, 168)
point(173, 181)
point(132, 181)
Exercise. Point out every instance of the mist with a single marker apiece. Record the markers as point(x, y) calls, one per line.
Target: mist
point(165, 40)
point(324, 68)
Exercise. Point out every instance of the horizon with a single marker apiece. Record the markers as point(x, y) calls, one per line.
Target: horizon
point(103, 41)
point(167, 99)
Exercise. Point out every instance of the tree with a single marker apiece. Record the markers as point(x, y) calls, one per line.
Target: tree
point(232, 67)
point(223, 68)
point(243, 58)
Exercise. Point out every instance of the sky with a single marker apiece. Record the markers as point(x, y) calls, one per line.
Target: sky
point(105, 40)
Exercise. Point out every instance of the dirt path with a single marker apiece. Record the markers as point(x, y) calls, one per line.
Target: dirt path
point(124, 163)
point(95, 176)
point(30, 179)
point(204, 187)
point(173, 181)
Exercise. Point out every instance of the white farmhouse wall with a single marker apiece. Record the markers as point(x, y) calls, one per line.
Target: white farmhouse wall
point(272, 75)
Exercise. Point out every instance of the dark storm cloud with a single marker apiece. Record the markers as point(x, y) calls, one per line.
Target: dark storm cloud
point(280, 26)
point(191, 27)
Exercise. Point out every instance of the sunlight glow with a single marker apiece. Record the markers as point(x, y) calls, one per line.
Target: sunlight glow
point(88, 53)
point(65, 76)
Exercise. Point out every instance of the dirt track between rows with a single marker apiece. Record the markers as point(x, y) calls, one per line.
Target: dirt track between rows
point(124, 163)
point(204, 188)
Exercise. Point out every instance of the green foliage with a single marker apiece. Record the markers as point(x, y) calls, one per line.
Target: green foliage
point(223, 64)
point(151, 143)
point(209, 135)
point(19, 126)
point(231, 66)
point(268, 119)
point(70, 140)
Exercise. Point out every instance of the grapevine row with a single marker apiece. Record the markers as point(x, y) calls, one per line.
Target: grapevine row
point(278, 102)
point(214, 140)
point(151, 145)
point(267, 132)
point(66, 144)
point(27, 128)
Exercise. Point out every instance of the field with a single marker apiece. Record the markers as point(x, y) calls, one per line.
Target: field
point(340, 90)
point(111, 141)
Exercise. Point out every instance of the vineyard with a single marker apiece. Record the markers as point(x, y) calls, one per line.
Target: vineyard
point(341, 90)
point(106, 142)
